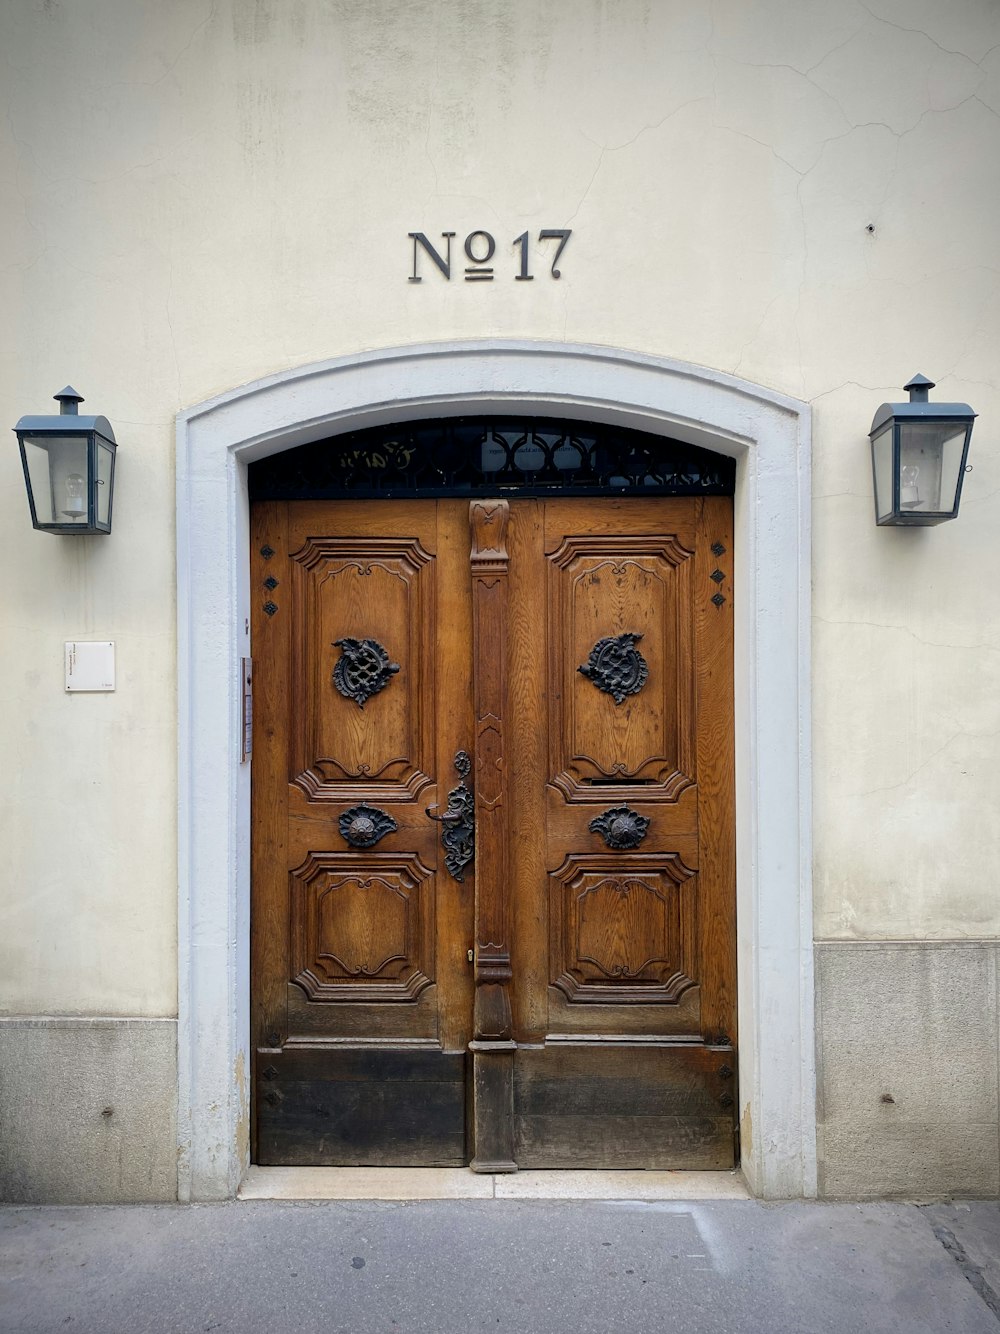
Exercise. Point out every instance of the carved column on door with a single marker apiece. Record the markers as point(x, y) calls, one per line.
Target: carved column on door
point(492, 1046)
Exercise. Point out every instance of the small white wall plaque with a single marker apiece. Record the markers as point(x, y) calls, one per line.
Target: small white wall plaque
point(90, 665)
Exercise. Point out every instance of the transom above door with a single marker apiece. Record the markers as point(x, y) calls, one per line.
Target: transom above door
point(493, 901)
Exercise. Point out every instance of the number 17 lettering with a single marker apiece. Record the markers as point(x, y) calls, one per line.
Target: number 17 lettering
point(480, 247)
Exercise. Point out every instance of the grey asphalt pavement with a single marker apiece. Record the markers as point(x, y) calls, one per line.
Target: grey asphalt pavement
point(530, 1267)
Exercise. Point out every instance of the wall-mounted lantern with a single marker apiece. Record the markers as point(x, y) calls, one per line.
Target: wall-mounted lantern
point(919, 451)
point(69, 468)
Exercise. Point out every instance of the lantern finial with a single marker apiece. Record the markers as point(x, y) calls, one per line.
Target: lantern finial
point(67, 399)
point(919, 388)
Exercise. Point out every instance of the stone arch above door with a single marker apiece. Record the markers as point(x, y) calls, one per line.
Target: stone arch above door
point(768, 435)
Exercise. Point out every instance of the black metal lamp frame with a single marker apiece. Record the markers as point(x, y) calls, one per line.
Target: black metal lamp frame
point(893, 417)
point(97, 433)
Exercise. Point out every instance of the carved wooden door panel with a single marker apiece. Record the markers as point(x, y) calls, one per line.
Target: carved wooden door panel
point(362, 991)
point(622, 833)
point(581, 651)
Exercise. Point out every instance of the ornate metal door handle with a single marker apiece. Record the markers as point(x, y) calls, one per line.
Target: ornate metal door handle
point(458, 837)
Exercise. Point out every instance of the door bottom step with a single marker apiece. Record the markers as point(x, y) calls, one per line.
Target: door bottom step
point(459, 1183)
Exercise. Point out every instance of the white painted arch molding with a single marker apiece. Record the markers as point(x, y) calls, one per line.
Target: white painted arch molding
point(766, 432)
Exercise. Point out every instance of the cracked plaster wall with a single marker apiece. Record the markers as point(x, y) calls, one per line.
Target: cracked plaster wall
point(197, 194)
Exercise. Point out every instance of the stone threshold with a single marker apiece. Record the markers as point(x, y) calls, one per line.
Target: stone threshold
point(458, 1183)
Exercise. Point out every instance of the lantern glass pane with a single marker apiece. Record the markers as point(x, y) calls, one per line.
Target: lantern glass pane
point(930, 461)
point(57, 470)
point(105, 467)
point(36, 458)
point(882, 459)
point(952, 456)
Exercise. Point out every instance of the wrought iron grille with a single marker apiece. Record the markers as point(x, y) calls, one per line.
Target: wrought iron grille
point(489, 456)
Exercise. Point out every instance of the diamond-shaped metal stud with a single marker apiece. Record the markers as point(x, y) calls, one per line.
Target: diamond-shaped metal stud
point(270, 608)
point(718, 600)
point(271, 582)
point(267, 552)
point(270, 1073)
point(717, 575)
point(718, 549)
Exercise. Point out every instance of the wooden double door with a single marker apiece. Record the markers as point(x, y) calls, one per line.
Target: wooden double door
point(493, 909)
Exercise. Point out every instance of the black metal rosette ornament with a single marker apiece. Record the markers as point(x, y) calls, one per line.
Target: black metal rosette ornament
point(616, 666)
point(363, 826)
point(362, 670)
point(620, 827)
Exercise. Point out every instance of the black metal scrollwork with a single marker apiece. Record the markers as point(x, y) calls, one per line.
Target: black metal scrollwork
point(620, 827)
point(459, 834)
point(362, 670)
point(363, 826)
point(474, 455)
point(616, 666)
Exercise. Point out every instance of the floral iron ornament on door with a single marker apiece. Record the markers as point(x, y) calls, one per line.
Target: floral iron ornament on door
point(616, 666)
point(362, 670)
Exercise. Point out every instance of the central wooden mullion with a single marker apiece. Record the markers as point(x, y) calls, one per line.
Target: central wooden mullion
point(493, 1046)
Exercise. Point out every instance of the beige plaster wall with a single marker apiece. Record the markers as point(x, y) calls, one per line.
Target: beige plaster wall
point(198, 194)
